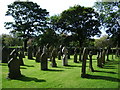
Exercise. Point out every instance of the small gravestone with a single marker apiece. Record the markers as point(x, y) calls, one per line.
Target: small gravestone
point(54, 55)
point(90, 64)
point(30, 49)
point(21, 58)
point(5, 55)
point(38, 56)
point(85, 52)
point(75, 55)
point(65, 60)
point(14, 66)
point(44, 63)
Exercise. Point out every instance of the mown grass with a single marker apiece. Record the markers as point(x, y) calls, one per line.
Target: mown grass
point(64, 76)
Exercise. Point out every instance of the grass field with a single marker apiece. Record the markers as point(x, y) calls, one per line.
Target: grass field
point(64, 76)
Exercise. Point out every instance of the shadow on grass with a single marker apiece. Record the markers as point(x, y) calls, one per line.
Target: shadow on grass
point(73, 66)
point(54, 70)
point(102, 77)
point(22, 68)
point(4, 64)
point(109, 67)
point(105, 72)
point(112, 62)
point(26, 79)
point(29, 65)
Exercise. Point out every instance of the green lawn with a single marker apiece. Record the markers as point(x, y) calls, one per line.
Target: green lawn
point(63, 76)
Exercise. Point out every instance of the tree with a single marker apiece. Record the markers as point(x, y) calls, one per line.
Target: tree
point(29, 19)
point(81, 22)
point(110, 18)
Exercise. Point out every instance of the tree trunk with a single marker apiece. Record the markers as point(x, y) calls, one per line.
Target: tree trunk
point(90, 64)
point(25, 44)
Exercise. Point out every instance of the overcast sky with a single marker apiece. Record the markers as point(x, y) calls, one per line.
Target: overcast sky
point(52, 6)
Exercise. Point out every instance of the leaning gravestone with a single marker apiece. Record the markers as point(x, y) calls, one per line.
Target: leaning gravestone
point(54, 55)
point(44, 63)
point(75, 55)
point(14, 66)
point(90, 64)
point(30, 49)
point(65, 60)
point(84, 58)
point(5, 55)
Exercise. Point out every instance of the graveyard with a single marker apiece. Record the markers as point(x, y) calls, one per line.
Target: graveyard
point(77, 48)
point(63, 76)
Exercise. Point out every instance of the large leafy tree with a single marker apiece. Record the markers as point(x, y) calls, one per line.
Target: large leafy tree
point(110, 19)
point(29, 19)
point(81, 22)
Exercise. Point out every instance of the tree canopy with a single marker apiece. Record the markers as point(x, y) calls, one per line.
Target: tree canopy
point(81, 22)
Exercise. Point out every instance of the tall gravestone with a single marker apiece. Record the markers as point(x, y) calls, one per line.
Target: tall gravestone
point(30, 50)
point(65, 60)
point(44, 62)
point(14, 66)
point(99, 60)
point(54, 55)
point(38, 56)
point(75, 55)
point(21, 58)
point(85, 52)
point(5, 55)
point(90, 63)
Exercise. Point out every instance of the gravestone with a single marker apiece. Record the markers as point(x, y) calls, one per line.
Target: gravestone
point(54, 55)
point(103, 56)
point(75, 55)
point(85, 52)
point(65, 60)
point(44, 62)
point(30, 50)
point(21, 58)
point(14, 66)
point(38, 56)
point(99, 60)
point(90, 63)
point(5, 55)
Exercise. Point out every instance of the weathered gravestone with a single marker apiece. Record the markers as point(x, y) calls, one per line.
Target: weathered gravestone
point(44, 62)
point(21, 58)
point(65, 60)
point(99, 60)
point(75, 55)
point(38, 56)
point(54, 55)
point(5, 55)
point(90, 63)
point(14, 66)
point(30, 49)
point(84, 58)
point(103, 57)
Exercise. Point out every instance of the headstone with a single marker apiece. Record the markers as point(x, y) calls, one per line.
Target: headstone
point(38, 56)
point(99, 60)
point(65, 60)
point(44, 63)
point(85, 52)
point(75, 55)
point(54, 55)
point(30, 50)
point(14, 66)
point(90, 64)
point(5, 55)
point(21, 58)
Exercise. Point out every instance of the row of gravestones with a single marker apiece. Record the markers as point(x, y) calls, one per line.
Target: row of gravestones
point(44, 56)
